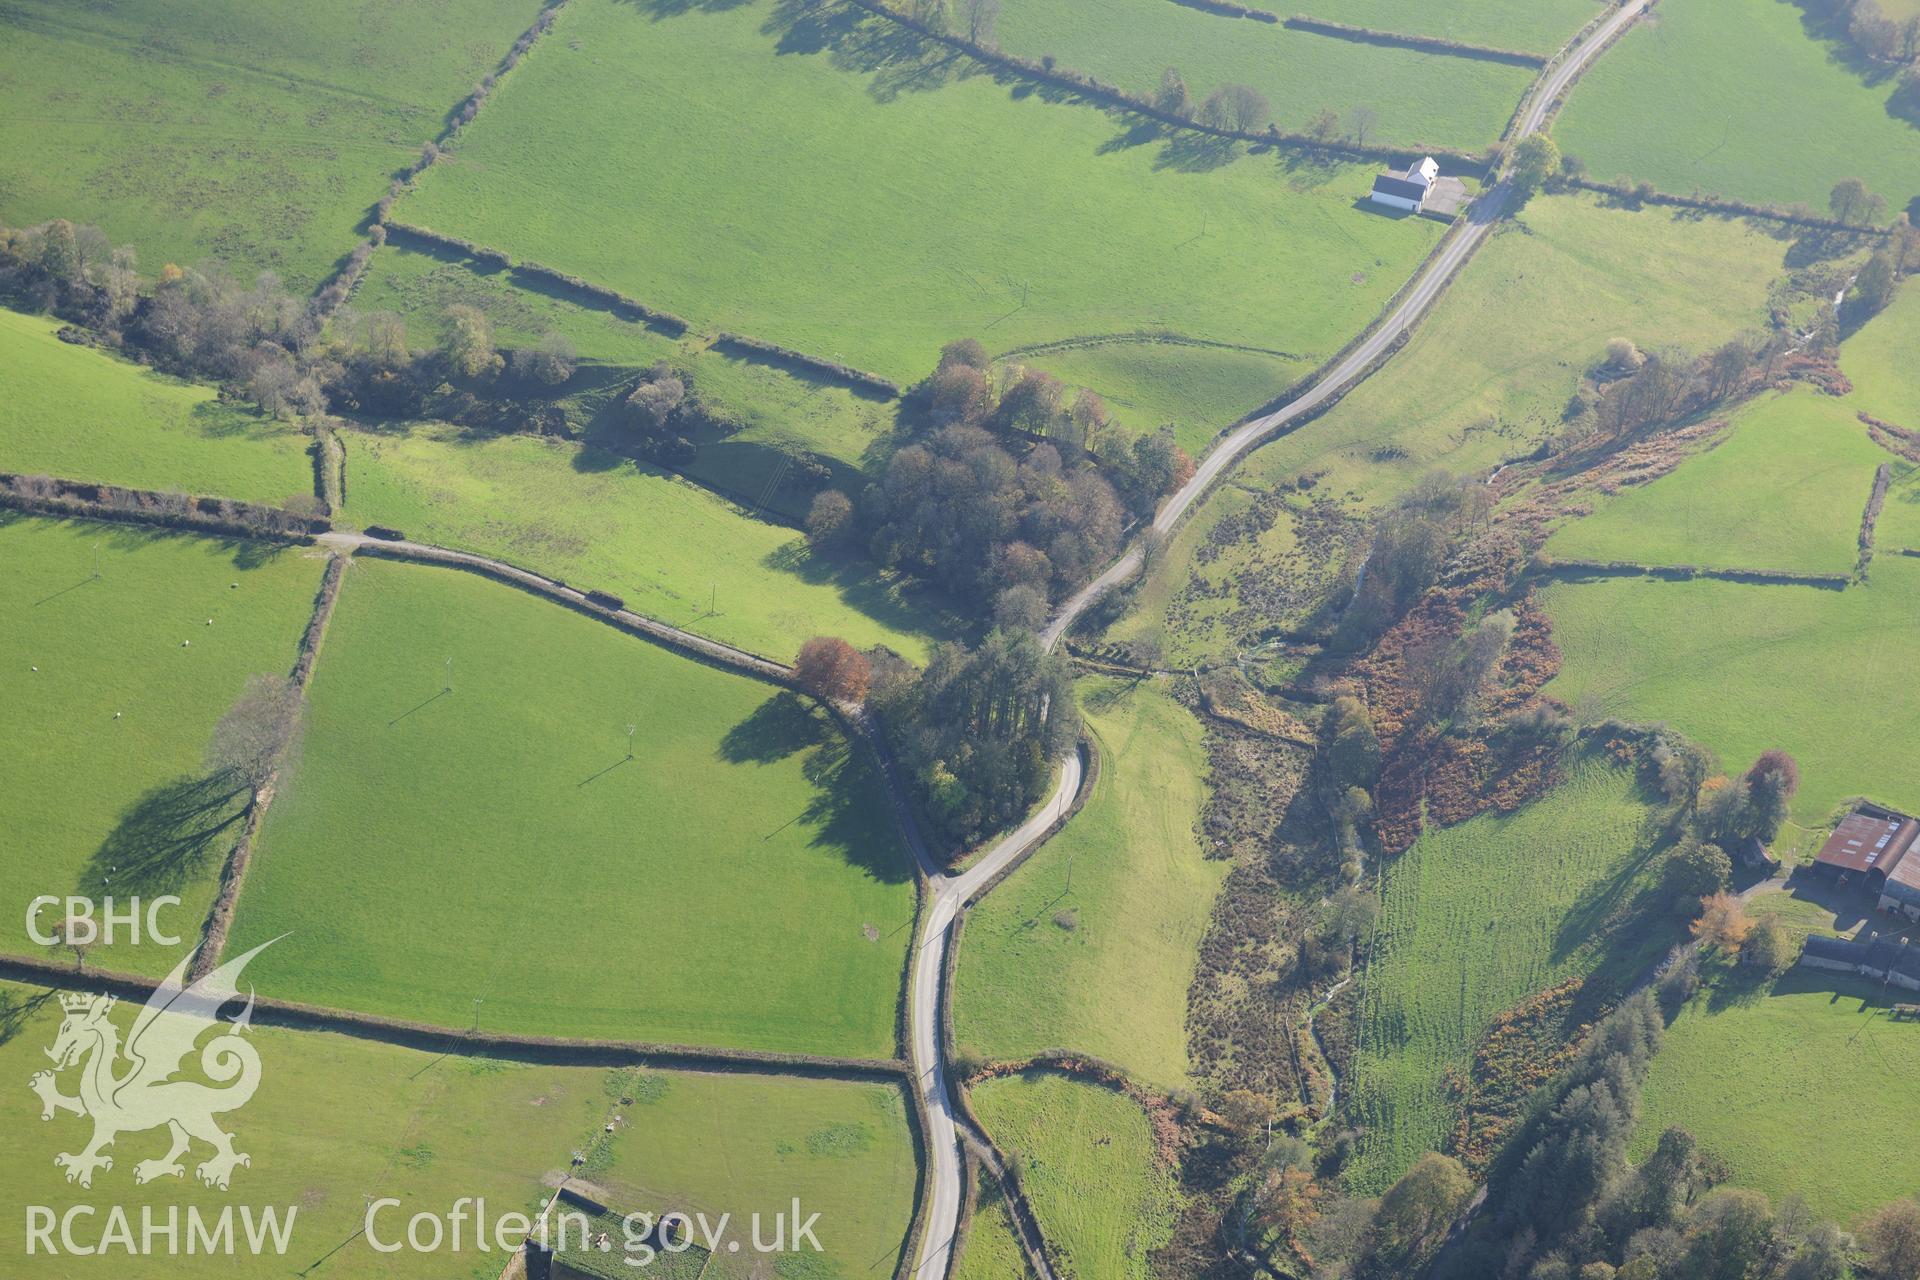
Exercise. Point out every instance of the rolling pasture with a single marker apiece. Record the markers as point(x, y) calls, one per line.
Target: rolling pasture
point(1200, 390)
point(505, 810)
point(1475, 918)
point(802, 182)
point(1752, 1072)
point(80, 414)
point(1743, 668)
point(1879, 360)
point(1484, 378)
point(1784, 490)
point(992, 1251)
point(1736, 98)
point(671, 549)
point(335, 1120)
point(107, 789)
point(1103, 1198)
point(745, 1144)
point(778, 414)
point(255, 133)
point(1140, 896)
point(1417, 98)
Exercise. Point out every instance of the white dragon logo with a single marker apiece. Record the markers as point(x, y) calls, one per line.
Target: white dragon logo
point(146, 1096)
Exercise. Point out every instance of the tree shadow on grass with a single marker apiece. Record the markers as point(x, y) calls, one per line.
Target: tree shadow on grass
point(17, 1009)
point(846, 813)
point(778, 727)
point(168, 838)
point(890, 601)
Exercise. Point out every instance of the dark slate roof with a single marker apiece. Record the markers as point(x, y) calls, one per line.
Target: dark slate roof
point(1839, 950)
point(1388, 184)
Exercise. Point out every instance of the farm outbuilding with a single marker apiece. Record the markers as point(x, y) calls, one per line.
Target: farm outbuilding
point(1883, 959)
point(1868, 847)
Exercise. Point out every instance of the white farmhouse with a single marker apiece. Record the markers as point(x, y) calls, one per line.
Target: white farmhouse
point(1407, 190)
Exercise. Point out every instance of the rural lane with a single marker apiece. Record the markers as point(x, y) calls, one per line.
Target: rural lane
point(948, 894)
point(1433, 278)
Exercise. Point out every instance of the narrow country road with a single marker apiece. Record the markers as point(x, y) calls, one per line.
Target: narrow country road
point(1433, 278)
point(947, 895)
point(929, 965)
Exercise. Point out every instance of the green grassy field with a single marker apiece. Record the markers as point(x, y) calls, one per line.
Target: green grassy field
point(669, 548)
point(780, 414)
point(1090, 1170)
point(259, 134)
point(1539, 27)
point(1484, 378)
point(1139, 903)
point(335, 1120)
point(1784, 490)
point(1759, 1078)
point(1417, 98)
point(992, 1251)
point(97, 804)
point(1475, 918)
point(1200, 390)
point(718, 1143)
point(497, 842)
point(1879, 360)
point(79, 414)
point(1733, 97)
point(796, 197)
point(1744, 668)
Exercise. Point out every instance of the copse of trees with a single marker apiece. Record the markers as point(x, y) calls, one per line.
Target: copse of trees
point(978, 731)
point(959, 510)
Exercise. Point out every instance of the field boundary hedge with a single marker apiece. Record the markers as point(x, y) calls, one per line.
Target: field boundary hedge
point(219, 921)
point(1555, 567)
point(711, 652)
point(559, 1051)
point(1893, 438)
point(621, 304)
point(1099, 91)
point(1876, 499)
point(1424, 44)
point(51, 496)
point(1632, 196)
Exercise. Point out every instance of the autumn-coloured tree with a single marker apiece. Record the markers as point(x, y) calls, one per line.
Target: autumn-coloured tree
point(1286, 1200)
point(1723, 922)
point(829, 667)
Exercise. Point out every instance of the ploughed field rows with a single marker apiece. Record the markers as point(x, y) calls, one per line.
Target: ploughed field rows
point(1474, 919)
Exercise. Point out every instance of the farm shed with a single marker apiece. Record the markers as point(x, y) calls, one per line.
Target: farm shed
point(1883, 959)
point(1901, 892)
point(1868, 845)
